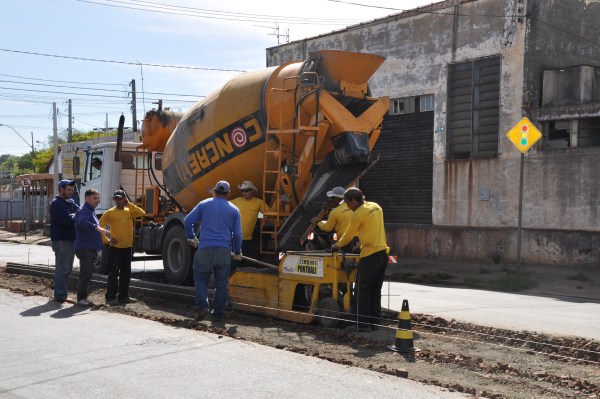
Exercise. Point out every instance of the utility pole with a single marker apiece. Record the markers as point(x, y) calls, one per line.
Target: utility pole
point(133, 105)
point(55, 131)
point(70, 134)
point(32, 153)
point(106, 131)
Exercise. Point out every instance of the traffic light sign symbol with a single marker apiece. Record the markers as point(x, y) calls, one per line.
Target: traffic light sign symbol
point(524, 135)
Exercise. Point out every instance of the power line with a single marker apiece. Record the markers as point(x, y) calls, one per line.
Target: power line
point(118, 62)
point(91, 88)
point(567, 32)
point(365, 5)
point(63, 81)
point(215, 14)
point(93, 95)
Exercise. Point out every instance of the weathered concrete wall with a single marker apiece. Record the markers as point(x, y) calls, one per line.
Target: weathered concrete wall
point(559, 188)
point(562, 33)
point(573, 248)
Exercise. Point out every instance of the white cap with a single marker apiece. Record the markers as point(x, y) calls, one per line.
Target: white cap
point(337, 192)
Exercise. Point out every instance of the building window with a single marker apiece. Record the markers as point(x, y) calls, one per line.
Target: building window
point(410, 105)
point(426, 103)
point(572, 133)
point(559, 134)
point(588, 132)
point(473, 108)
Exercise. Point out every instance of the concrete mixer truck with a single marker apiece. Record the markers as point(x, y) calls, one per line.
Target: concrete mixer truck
point(295, 130)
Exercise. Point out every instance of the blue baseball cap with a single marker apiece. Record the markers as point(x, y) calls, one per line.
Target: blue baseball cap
point(222, 187)
point(63, 183)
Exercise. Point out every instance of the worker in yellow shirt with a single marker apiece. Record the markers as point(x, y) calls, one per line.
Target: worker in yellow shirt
point(250, 206)
point(367, 224)
point(119, 221)
point(339, 217)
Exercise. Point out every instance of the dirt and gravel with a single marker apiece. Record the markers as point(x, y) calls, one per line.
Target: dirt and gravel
point(479, 361)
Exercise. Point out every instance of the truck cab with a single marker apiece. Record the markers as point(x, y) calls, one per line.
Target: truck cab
point(101, 172)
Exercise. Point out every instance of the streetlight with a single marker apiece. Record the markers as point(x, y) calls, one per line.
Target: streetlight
point(22, 138)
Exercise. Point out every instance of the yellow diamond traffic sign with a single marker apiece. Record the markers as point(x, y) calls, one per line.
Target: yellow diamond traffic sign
point(523, 135)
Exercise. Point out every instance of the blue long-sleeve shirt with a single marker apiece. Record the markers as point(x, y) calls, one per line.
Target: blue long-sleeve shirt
point(220, 224)
point(85, 226)
point(62, 219)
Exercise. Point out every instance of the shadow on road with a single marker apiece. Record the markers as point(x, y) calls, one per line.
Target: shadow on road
point(38, 310)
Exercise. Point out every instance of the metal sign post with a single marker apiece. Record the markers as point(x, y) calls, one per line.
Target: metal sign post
point(523, 135)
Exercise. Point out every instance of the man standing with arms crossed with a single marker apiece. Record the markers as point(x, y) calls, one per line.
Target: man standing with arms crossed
point(249, 206)
point(220, 235)
point(87, 243)
point(62, 234)
point(367, 224)
point(119, 220)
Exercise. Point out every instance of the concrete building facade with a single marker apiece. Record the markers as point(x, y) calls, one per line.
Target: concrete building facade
point(460, 74)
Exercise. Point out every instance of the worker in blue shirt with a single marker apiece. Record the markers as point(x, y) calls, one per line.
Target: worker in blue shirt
point(62, 235)
point(87, 243)
point(220, 235)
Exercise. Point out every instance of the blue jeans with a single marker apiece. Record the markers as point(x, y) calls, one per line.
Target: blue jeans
point(206, 261)
point(64, 254)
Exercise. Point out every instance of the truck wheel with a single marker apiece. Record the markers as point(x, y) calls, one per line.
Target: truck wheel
point(177, 257)
point(329, 310)
point(101, 265)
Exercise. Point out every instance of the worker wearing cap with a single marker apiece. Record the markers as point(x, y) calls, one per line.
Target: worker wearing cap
point(62, 235)
point(339, 217)
point(250, 206)
point(88, 242)
point(119, 221)
point(367, 224)
point(220, 235)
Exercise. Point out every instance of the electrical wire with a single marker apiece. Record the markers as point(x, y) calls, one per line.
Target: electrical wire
point(118, 62)
point(219, 15)
point(63, 81)
point(91, 88)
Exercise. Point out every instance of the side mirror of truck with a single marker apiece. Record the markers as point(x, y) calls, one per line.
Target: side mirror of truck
point(76, 165)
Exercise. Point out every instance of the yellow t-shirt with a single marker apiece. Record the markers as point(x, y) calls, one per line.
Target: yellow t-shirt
point(249, 212)
point(338, 220)
point(367, 224)
point(120, 223)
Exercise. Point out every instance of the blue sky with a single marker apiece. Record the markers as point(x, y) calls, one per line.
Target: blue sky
point(227, 35)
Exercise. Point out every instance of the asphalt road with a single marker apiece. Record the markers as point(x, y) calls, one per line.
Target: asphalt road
point(49, 350)
point(551, 315)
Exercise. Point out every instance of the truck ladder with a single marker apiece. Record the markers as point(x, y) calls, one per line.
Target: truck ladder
point(273, 170)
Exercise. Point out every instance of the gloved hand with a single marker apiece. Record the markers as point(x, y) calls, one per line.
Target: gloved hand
point(236, 257)
point(193, 242)
point(314, 220)
point(335, 248)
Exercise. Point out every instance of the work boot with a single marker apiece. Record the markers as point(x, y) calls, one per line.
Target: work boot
point(112, 302)
point(85, 302)
point(201, 314)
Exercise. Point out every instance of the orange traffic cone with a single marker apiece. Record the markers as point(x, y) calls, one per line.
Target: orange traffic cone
point(404, 335)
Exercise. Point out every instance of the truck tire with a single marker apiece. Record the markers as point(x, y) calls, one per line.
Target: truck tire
point(177, 257)
point(101, 265)
point(329, 310)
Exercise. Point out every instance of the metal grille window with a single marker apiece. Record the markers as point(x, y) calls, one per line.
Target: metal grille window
point(572, 133)
point(473, 108)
